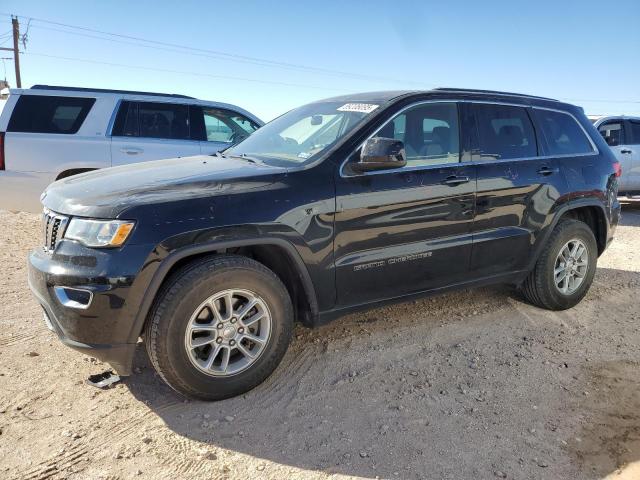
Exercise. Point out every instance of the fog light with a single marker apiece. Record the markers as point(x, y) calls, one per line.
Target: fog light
point(74, 297)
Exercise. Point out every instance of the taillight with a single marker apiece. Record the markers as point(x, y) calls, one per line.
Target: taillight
point(1, 150)
point(617, 169)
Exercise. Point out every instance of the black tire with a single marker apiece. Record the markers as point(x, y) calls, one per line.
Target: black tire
point(181, 296)
point(539, 288)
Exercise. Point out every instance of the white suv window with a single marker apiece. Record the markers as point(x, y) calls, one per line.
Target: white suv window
point(225, 126)
point(613, 133)
point(49, 114)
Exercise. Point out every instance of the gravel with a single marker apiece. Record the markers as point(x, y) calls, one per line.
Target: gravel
point(472, 384)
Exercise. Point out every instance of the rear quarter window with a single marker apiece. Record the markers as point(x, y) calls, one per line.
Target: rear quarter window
point(563, 134)
point(47, 114)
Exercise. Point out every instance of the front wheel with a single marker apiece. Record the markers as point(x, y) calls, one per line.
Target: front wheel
point(565, 269)
point(219, 327)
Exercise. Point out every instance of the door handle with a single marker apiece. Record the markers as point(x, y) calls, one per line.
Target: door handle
point(626, 150)
point(548, 171)
point(455, 180)
point(131, 150)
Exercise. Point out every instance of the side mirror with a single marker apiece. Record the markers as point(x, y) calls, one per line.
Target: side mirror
point(612, 142)
point(379, 153)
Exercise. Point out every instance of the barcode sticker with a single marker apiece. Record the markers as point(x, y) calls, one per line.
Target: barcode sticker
point(358, 107)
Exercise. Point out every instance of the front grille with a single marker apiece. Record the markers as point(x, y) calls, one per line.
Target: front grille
point(53, 226)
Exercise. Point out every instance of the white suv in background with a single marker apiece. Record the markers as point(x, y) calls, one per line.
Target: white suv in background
point(622, 134)
point(48, 133)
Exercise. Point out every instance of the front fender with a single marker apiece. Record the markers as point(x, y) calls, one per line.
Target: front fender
point(167, 255)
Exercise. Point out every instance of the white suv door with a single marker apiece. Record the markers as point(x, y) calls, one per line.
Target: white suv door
point(632, 149)
point(146, 131)
point(613, 132)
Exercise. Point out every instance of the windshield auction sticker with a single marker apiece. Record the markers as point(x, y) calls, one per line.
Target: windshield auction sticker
point(358, 107)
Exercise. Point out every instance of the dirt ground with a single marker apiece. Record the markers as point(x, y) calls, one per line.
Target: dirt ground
point(469, 385)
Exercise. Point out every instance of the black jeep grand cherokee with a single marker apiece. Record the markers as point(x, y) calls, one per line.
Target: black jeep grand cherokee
point(342, 204)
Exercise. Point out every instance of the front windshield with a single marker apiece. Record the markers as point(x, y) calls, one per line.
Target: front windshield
point(301, 135)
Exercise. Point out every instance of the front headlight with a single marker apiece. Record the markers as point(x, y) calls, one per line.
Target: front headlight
point(99, 233)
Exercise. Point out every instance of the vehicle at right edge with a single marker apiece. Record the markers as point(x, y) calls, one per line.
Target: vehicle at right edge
point(338, 205)
point(622, 134)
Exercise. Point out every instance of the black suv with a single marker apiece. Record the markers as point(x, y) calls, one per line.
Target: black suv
point(338, 205)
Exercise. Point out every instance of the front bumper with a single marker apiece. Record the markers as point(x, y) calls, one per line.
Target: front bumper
point(104, 326)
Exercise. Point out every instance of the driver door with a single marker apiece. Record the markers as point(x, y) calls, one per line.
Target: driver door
point(406, 230)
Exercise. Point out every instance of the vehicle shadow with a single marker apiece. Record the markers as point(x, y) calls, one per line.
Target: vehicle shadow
point(630, 212)
point(432, 387)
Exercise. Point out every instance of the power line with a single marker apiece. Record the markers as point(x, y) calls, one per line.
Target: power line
point(176, 48)
point(218, 54)
point(181, 72)
point(166, 49)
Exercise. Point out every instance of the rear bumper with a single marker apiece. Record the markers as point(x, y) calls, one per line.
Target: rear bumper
point(103, 326)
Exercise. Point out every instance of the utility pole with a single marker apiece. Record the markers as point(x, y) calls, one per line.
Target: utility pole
point(16, 52)
point(16, 58)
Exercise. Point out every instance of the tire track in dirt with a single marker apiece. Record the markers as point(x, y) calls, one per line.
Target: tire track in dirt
point(86, 447)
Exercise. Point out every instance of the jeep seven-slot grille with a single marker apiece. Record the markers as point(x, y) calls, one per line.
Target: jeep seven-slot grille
point(53, 226)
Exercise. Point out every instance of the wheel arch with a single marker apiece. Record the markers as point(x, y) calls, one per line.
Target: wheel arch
point(590, 211)
point(275, 253)
point(73, 171)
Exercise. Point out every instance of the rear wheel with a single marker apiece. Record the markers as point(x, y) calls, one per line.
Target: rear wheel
point(219, 327)
point(565, 269)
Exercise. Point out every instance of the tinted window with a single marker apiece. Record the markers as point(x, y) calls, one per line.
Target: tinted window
point(44, 114)
point(505, 132)
point(563, 133)
point(163, 120)
point(634, 128)
point(429, 132)
point(613, 133)
point(126, 123)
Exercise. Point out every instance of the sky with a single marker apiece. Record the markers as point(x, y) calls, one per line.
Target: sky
point(271, 56)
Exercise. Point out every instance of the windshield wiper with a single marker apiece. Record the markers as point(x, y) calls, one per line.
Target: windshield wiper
point(244, 156)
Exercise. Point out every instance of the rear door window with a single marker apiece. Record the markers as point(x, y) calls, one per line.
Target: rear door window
point(126, 124)
point(563, 134)
point(634, 131)
point(163, 120)
point(152, 120)
point(49, 114)
point(504, 132)
point(613, 133)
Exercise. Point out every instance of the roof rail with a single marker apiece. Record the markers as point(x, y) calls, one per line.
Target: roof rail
point(105, 90)
point(511, 94)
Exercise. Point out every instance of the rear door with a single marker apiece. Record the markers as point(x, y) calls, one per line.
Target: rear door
point(517, 187)
point(613, 131)
point(146, 131)
point(406, 230)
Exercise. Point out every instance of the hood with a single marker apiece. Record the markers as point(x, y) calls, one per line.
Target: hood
point(108, 192)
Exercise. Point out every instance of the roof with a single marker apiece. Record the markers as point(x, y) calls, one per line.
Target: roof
point(599, 119)
point(105, 90)
point(387, 96)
